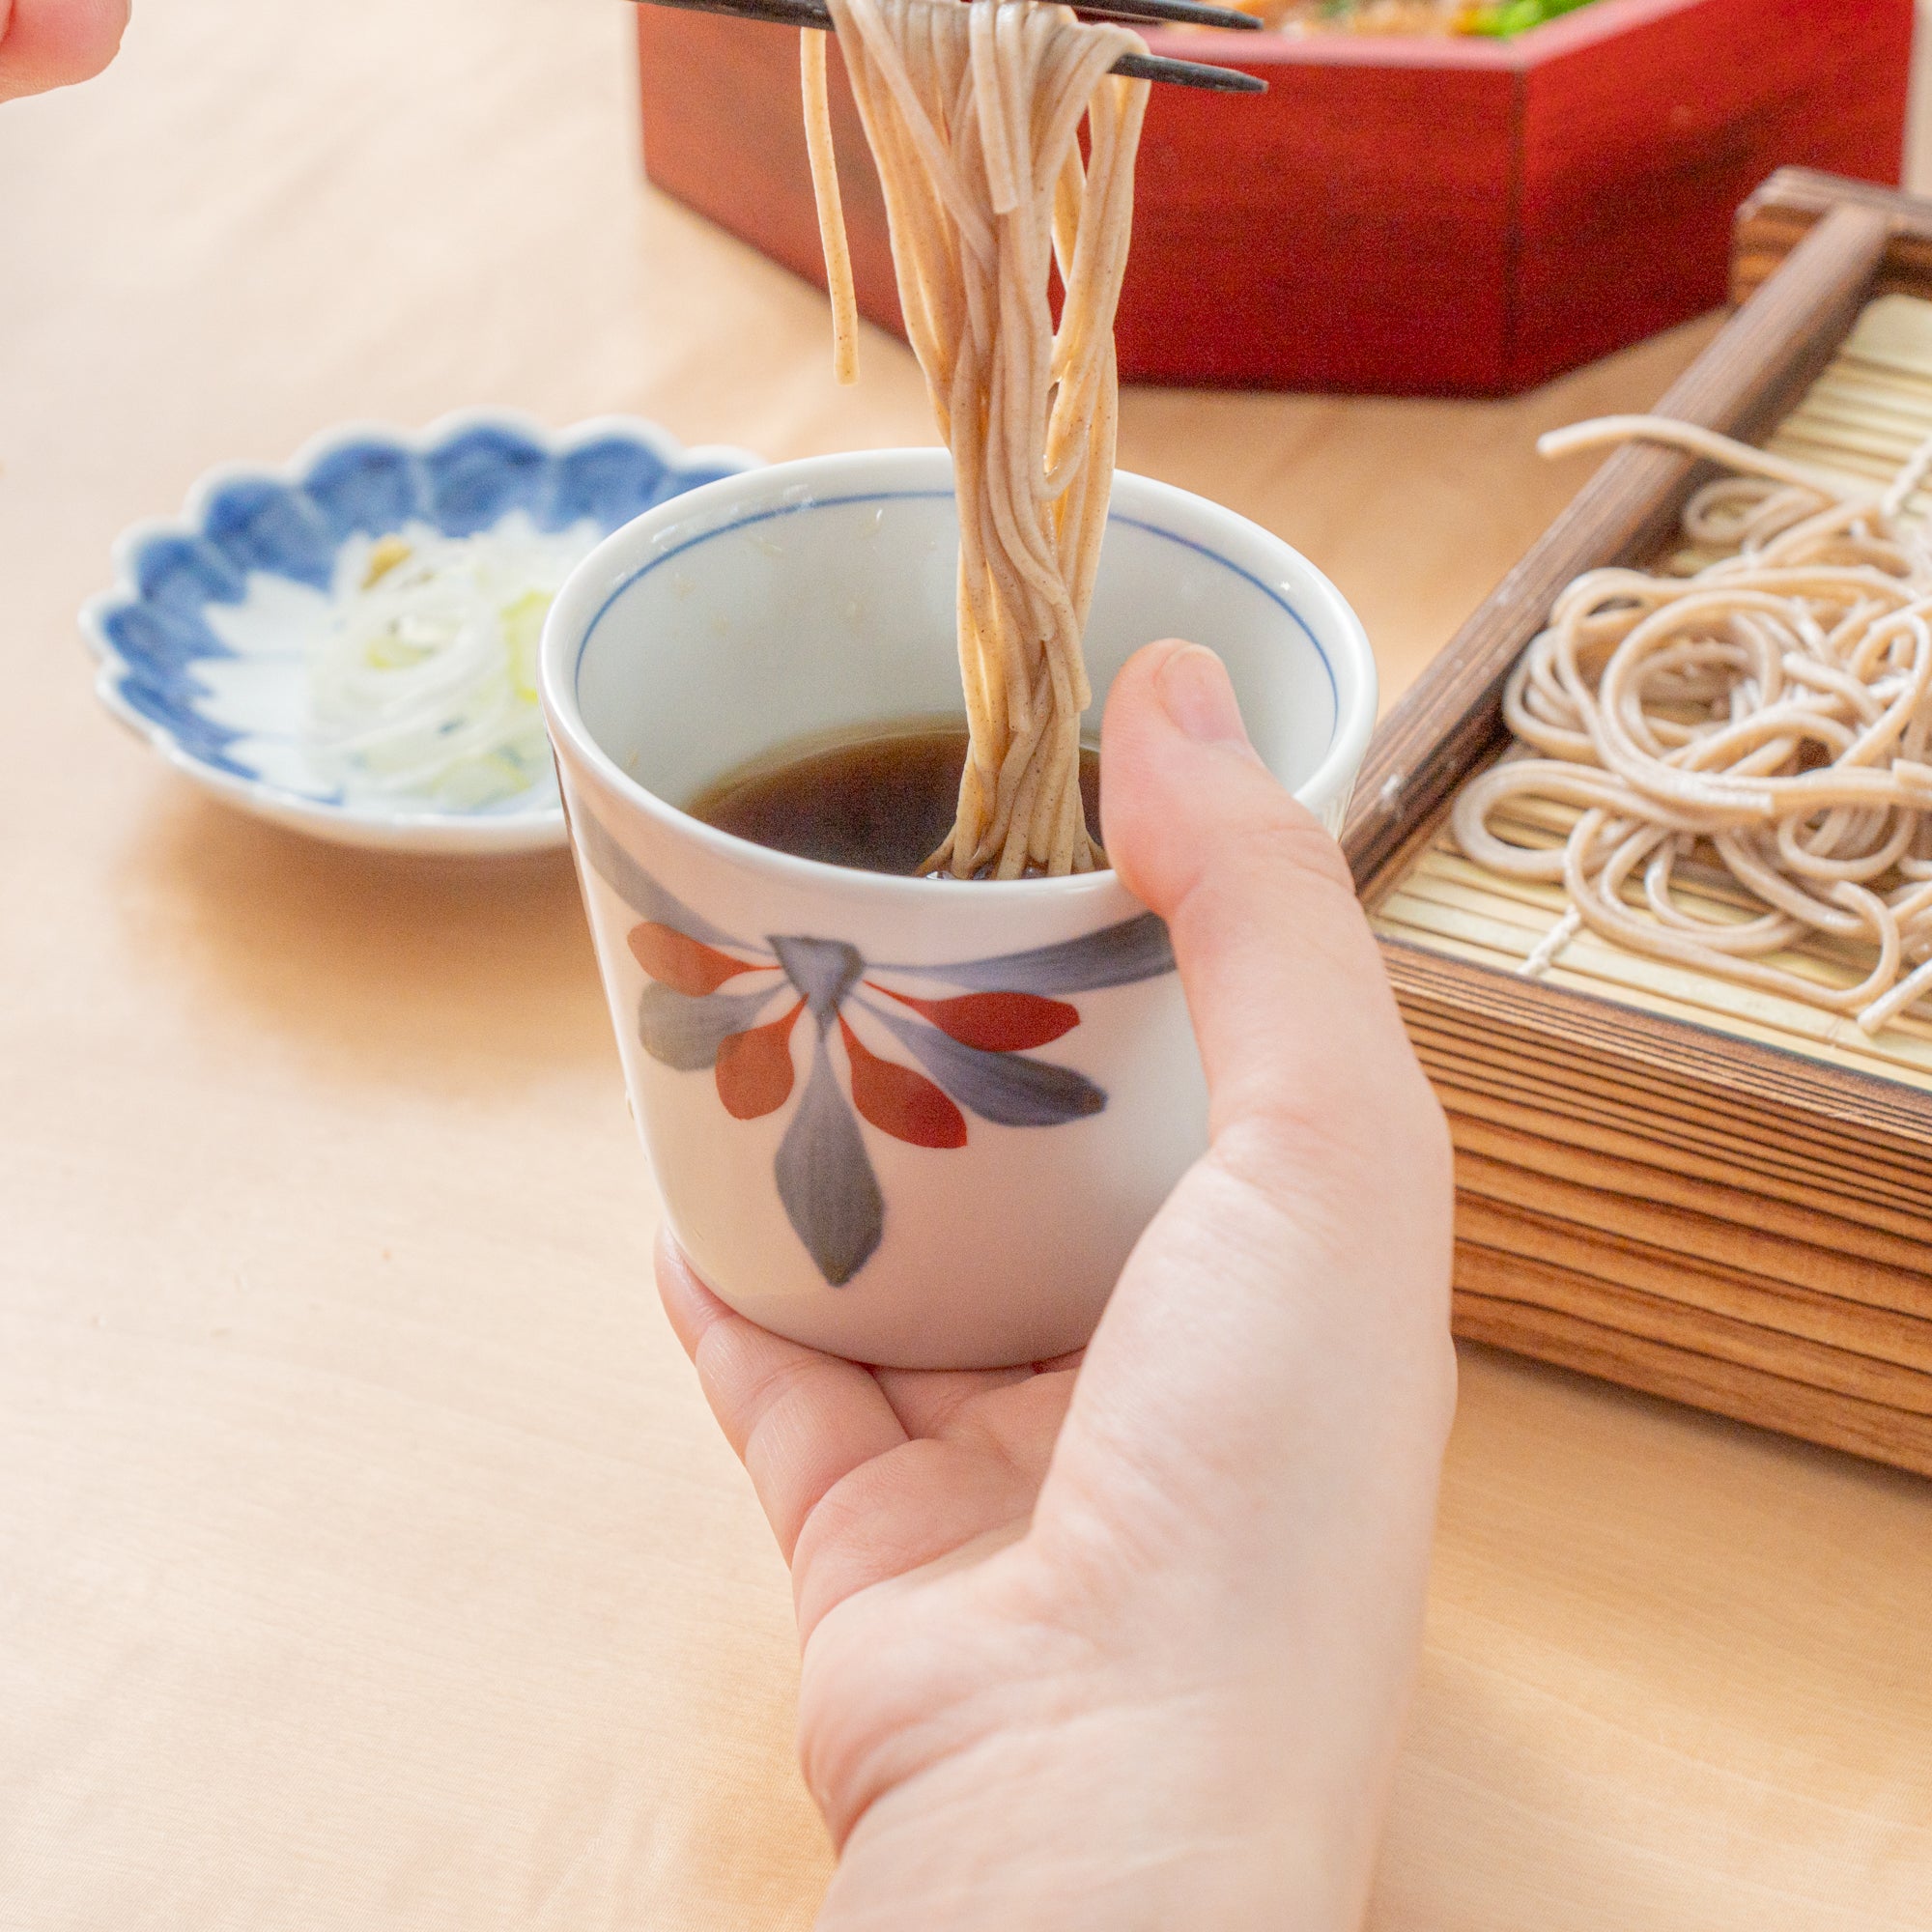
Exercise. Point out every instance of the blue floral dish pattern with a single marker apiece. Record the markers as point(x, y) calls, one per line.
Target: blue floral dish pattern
point(971, 1045)
point(229, 715)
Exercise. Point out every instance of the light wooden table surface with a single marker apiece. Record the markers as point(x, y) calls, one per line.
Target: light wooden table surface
point(367, 1559)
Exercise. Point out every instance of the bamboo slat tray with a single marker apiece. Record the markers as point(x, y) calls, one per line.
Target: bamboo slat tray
point(1677, 1183)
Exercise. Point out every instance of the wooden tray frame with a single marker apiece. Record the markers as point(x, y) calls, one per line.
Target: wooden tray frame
point(1701, 1136)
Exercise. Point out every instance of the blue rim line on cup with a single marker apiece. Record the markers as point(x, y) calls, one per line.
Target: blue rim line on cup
point(1227, 563)
point(1354, 713)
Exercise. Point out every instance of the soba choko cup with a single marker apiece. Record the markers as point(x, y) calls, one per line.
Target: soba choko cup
point(916, 1122)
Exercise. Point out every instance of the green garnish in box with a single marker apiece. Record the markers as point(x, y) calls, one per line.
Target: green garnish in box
point(1497, 18)
point(1515, 17)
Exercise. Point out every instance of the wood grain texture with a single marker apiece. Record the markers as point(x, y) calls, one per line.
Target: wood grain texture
point(1727, 1341)
point(1704, 1224)
point(1881, 1217)
point(1539, 1309)
point(1781, 210)
point(1737, 1315)
point(369, 1559)
point(1458, 216)
point(1666, 1055)
point(1720, 1256)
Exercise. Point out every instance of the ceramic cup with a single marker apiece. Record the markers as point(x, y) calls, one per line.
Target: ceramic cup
point(916, 1122)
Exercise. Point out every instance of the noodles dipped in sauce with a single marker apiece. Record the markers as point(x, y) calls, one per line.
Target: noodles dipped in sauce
point(972, 110)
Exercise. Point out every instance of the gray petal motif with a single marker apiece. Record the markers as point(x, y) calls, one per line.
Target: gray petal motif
point(1136, 949)
point(1006, 1087)
point(637, 888)
point(823, 970)
point(830, 1192)
point(685, 1030)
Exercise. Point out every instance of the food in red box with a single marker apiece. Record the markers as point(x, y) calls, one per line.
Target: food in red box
point(1498, 18)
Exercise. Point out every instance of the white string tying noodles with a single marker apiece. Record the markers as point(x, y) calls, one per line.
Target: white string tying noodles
point(1753, 722)
point(831, 208)
point(973, 112)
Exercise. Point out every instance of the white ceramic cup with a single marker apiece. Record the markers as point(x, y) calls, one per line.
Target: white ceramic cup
point(915, 1123)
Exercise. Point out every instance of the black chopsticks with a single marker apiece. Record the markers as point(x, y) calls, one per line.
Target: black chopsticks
point(1136, 67)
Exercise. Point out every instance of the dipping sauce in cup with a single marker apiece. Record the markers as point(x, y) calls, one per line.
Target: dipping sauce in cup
point(918, 1122)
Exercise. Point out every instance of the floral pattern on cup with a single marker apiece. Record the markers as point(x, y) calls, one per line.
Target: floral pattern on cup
point(717, 1002)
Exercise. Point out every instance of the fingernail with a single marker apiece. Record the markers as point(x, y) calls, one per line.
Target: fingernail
point(1196, 693)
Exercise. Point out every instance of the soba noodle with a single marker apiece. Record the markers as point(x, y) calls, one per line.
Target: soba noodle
point(1755, 723)
point(831, 206)
point(973, 112)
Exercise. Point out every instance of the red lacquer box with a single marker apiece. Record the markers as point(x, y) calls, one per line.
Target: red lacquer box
point(1455, 216)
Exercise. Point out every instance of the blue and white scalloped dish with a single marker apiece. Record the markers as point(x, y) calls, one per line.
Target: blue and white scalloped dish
point(208, 643)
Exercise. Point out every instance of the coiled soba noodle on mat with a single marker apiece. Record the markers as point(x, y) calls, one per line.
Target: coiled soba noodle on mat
point(1757, 722)
point(973, 110)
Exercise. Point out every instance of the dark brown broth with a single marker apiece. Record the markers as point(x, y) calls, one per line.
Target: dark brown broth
point(878, 804)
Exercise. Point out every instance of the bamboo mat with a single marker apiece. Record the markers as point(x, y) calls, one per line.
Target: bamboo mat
point(1637, 1218)
point(1863, 417)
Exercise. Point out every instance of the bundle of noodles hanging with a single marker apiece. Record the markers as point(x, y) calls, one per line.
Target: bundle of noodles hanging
point(1753, 723)
point(973, 113)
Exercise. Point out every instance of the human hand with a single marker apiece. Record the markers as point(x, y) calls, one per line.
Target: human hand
point(1127, 1640)
point(48, 43)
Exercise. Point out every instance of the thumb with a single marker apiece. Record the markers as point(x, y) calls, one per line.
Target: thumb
point(1296, 1025)
point(1302, 1269)
point(1245, 1482)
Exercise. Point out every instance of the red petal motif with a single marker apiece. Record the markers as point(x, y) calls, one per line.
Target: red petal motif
point(753, 1068)
point(997, 1022)
point(901, 1101)
point(682, 963)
